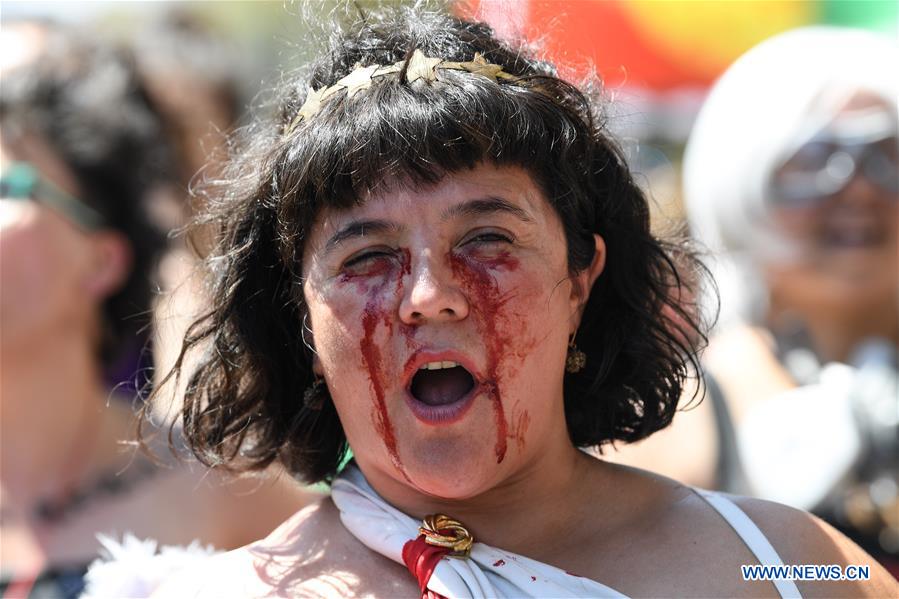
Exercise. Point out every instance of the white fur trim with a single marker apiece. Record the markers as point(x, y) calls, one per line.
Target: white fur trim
point(134, 568)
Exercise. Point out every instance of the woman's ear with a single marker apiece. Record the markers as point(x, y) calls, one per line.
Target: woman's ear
point(583, 282)
point(111, 263)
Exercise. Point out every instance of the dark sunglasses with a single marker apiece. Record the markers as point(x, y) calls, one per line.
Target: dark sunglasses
point(21, 181)
point(826, 164)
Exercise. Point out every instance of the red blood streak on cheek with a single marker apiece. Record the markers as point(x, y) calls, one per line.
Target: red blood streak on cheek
point(372, 315)
point(475, 277)
point(521, 429)
point(371, 354)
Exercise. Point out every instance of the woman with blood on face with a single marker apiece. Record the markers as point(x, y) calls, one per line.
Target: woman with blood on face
point(409, 266)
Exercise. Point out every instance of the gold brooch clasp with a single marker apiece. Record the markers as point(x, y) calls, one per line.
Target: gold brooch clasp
point(442, 531)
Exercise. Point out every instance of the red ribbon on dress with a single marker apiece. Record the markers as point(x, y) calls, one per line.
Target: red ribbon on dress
point(421, 559)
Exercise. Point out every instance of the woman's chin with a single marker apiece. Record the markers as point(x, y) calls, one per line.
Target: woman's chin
point(450, 468)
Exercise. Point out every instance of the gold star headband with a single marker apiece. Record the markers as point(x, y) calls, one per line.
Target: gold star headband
point(420, 67)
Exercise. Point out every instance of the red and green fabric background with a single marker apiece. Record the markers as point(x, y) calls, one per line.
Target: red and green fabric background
point(662, 45)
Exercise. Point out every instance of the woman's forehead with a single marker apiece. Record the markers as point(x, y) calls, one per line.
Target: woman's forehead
point(509, 188)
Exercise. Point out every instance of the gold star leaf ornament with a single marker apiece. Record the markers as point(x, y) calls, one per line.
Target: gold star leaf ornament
point(358, 80)
point(419, 67)
point(422, 67)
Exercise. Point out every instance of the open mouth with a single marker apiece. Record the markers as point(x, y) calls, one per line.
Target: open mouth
point(441, 383)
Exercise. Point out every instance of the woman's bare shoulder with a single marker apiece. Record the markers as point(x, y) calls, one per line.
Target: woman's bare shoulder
point(681, 519)
point(309, 555)
point(801, 538)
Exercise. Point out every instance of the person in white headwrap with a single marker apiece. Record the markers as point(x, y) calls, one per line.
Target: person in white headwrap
point(434, 254)
point(791, 180)
point(791, 175)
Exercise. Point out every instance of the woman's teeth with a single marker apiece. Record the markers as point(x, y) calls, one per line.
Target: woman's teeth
point(438, 365)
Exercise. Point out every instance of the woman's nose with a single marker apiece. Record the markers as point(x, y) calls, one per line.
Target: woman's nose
point(432, 295)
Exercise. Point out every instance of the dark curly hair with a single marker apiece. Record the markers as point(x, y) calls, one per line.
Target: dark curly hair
point(84, 100)
point(243, 405)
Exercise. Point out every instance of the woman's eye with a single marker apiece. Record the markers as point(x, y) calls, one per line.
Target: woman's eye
point(488, 237)
point(368, 261)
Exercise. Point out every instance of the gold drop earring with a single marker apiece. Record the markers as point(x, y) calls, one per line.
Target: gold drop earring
point(575, 360)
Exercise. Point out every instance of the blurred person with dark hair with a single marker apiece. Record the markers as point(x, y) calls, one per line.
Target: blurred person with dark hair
point(82, 153)
point(791, 179)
